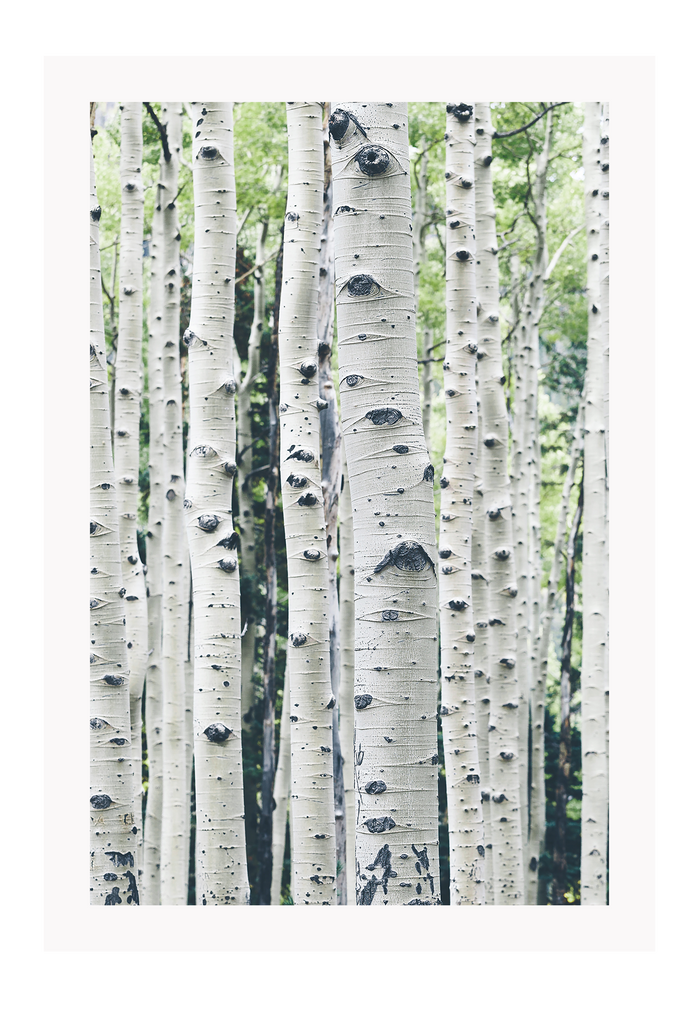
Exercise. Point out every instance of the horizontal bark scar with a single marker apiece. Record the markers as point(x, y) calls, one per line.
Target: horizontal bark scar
point(407, 555)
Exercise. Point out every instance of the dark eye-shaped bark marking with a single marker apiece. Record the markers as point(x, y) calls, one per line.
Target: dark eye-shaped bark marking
point(228, 565)
point(445, 553)
point(447, 570)
point(203, 451)
point(292, 217)
point(494, 513)
point(96, 213)
point(308, 369)
point(117, 741)
point(461, 111)
point(401, 449)
point(331, 703)
point(230, 469)
point(373, 160)
point(298, 639)
point(506, 755)
point(381, 416)
point(443, 483)
point(407, 555)
point(217, 733)
point(312, 554)
point(113, 680)
point(97, 723)
point(457, 606)
point(379, 824)
point(296, 481)
point(491, 441)
point(339, 123)
point(428, 474)
point(208, 152)
point(302, 454)
point(362, 700)
point(389, 615)
point(100, 801)
point(308, 499)
point(507, 662)
point(362, 284)
point(353, 379)
point(320, 404)
point(230, 387)
point(374, 788)
point(463, 255)
point(502, 554)
point(208, 523)
point(230, 543)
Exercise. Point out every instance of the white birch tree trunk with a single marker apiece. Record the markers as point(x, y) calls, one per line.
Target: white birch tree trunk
point(282, 781)
point(346, 683)
point(458, 707)
point(505, 695)
point(595, 553)
point(312, 789)
point(113, 769)
point(481, 671)
point(393, 508)
point(221, 865)
point(128, 387)
point(174, 862)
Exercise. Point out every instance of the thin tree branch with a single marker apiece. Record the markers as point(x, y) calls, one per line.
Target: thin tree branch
point(163, 131)
point(558, 254)
point(516, 131)
point(244, 219)
point(258, 266)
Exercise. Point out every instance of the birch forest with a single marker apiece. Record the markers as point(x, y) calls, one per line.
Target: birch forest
point(349, 475)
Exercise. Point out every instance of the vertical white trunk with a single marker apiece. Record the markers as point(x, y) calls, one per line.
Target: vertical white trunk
point(189, 711)
point(221, 865)
point(346, 683)
point(499, 566)
point(604, 314)
point(175, 818)
point(113, 830)
point(481, 670)
point(282, 781)
point(458, 707)
point(127, 394)
point(391, 483)
point(312, 790)
point(428, 387)
point(156, 468)
point(595, 554)
point(418, 233)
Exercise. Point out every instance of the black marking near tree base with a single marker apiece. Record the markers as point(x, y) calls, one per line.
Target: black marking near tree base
point(407, 555)
point(374, 788)
point(379, 824)
point(217, 733)
point(208, 523)
point(362, 700)
point(381, 416)
point(100, 801)
point(373, 160)
point(113, 897)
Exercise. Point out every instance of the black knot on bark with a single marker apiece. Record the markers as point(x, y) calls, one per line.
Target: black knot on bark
point(353, 379)
point(375, 787)
point(208, 152)
point(331, 703)
point(312, 554)
point(230, 387)
point(494, 513)
point(445, 553)
point(490, 441)
point(463, 255)
point(486, 161)
point(373, 160)
point(443, 483)
point(93, 528)
point(454, 223)
point(118, 741)
point(321, 404)
point(507, 662)
point(298, 639)
point(451, 393)
point(534, 864)
point(283, 407)
point(187, 503)
point(379, 824)
point(502, 554)
point(401, 449)
point(447, 570)
point(228, 565)
point(428, 474)
point(381, 416)
point(97, 723)
point(338, 124)
point(230, 469)
point(308, 369)
point(208, 523)
point(203, 451)
point(361, 284)
point(407, 555)
point(461, 111)
point(171, 495)
point(96, 213)
point(308, 499)
point(506, 755)
point(112, 680)
point(362, 700)
point(302, 454)
point(389, 615)
point(457, 606)
point(323, 349)
point(217, 733)
point(100, 801)
point(296, 481)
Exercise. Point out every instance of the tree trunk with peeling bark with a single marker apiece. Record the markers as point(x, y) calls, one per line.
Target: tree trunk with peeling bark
point(128, 378)
point(346, 683)
point(221, 866)
point(505, 694)
point(458, 706)
point(393, 508)
point(312, 700)
point(114, 830)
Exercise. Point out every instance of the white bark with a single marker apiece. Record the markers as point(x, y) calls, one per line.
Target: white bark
point(221, 866)
point(458, 707)
point(346, 683)
point(481, 671)
point(282, 781)
point(113, 830)
point(393, 509)
point(594, 680)
point(312, 790)
point(174, 862)
point(128, 385)
point(499, 565)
